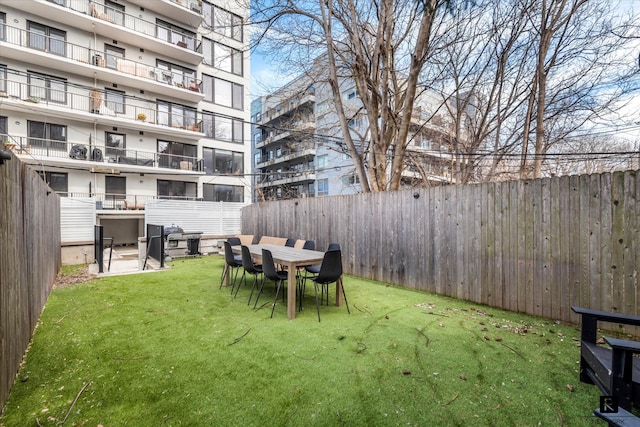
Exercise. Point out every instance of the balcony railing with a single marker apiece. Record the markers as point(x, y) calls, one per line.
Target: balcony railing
point(287, 155)
point(101, 103)
point(98, 156)
point(287, 177)
point(27, 39)
point(183, 39)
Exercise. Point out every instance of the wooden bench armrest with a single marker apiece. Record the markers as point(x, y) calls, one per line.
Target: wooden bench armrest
point(590, 319)
point(625, 345)
point(605, 316)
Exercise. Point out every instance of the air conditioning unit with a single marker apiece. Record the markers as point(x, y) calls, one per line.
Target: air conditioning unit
point(195, 7)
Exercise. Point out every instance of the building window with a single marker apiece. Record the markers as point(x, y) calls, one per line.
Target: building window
point(175, 35)
point(57, 181)
point(115, 188)
point(47, 135)
point(175, 74)
point(113, 55)
point(3, 79)
point(48, 39)
point(323, 161)
point(223, 92)
point(177, 190)
point(222, 162)
point(323, 187)
point(222, 22)
point(58, 2)
point(3, 22)
point(4, 128)
point(223, 128)
point(115, 144)
point(114, 100)
point(176, 155)
point(176, 115)
point(223, 193)
point(350, 180)
point(115, 12)
point(47, 88)
point(222, 57)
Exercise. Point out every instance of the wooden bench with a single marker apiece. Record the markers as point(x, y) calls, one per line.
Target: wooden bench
point(614, 370)
point(622, 418)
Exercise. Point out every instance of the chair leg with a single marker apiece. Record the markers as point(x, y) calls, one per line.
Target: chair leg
point(259, 293)
point(345, 297)
point(255, 281)
point(243, 278)
point(275, 300)
point(224, 274)
point(315, 287)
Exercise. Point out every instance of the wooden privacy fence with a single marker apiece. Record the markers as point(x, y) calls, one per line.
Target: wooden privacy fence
point(535, 246)
point(29, 260)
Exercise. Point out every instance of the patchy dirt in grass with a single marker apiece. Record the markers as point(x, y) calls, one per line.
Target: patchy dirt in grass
point(79, 275)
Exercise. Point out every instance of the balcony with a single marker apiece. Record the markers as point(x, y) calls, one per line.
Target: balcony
point(289, 105)
point(68, 58)
point(99, 158)
point(93, 106)
point(186, 11)
point(287, 156)
point(297, 131)
point(114, 24)
point(289, 177)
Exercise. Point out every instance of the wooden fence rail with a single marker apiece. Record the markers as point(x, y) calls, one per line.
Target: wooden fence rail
point(535, 246)
point(29, 261)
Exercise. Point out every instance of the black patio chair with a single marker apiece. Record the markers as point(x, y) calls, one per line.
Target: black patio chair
point(251, 268)
point(290, 242)
point(311, 271)
point(330, 272)
point(270, 272)
point(231, 262)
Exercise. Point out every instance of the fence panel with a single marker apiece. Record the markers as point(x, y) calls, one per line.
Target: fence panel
point(30, 257)
point(535, 246)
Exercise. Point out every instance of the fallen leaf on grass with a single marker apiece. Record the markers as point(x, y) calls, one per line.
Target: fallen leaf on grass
point(463, 378)
point(570, 387)
point(406, 372)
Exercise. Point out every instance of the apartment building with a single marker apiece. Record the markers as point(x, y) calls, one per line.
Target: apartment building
point(124, 102)
point(298, 149)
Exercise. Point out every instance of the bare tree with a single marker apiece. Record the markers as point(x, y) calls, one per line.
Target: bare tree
point(382, 46)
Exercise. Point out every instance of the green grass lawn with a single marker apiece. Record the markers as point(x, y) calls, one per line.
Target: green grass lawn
point(169, 348)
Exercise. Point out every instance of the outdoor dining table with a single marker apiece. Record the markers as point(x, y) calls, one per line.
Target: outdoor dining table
point(292, 258)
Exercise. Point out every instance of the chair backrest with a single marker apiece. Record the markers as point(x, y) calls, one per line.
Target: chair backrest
point(228, 254)
point(333, 247)
point(234, 241)
point(247, 262)
point(245, 239)
point(310, 245)
point(290, 242)
point(331, 267)
point(268, 266)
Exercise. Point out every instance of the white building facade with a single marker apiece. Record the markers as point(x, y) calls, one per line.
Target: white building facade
point(127, 102)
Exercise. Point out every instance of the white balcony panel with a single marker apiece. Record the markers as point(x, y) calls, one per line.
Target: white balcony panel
point(64, 65)
point(144, 38)
point(63, 112)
